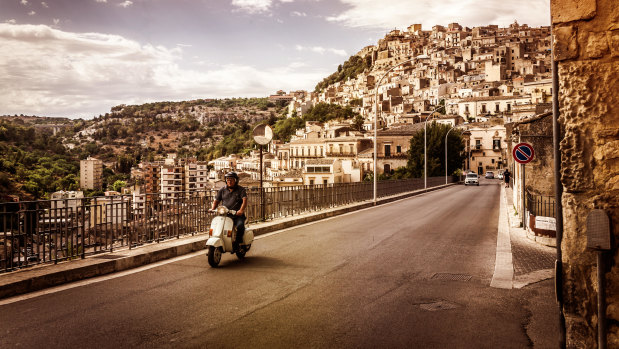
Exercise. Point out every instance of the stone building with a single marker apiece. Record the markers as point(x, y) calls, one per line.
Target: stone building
point(586, 48)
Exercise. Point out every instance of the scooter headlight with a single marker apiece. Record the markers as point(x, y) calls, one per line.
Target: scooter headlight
point(222, 210)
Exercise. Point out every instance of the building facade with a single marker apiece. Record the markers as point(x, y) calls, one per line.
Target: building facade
point(91, 174)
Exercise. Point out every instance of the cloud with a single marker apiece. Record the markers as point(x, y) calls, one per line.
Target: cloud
point(298, 14)
point(11, 21)
point(257, 6)
point(44, 4)
point(253, 6)
point(24, 2)
point(56, 21)
point(321, 50)
point(125, 4)
point(57, 73)
point(402, 13)
point(31, 13)
point(100, 0)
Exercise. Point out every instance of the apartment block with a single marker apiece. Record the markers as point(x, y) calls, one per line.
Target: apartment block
point(91, 174)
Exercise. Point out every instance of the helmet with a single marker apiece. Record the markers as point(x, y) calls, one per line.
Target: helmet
point(232, 175)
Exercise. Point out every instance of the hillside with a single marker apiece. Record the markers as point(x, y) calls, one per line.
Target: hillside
point(41, 155)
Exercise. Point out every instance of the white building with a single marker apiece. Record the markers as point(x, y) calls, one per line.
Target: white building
point(91, 174)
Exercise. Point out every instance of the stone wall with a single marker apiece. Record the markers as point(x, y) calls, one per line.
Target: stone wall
point(586, 44)
point(536, 131)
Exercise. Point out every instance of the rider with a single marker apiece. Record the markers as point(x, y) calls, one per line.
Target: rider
point(234, 197)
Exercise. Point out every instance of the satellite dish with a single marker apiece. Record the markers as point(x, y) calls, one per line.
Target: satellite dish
point(263, 134)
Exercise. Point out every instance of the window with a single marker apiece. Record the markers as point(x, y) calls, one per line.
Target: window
point(387, 150)
point(387, 168)
point(398, 149)
point(324, 181)
point(496, 144)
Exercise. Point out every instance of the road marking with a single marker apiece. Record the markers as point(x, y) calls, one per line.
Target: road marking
point(102, 278)
point(96, 279)
point(503, 268)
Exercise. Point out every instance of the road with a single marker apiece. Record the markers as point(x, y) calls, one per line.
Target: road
point(409, 274)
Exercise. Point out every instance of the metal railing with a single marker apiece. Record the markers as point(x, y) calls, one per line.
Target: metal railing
point(539, 205)
point(49, 231)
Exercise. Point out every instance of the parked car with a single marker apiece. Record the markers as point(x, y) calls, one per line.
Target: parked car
point(490, 174)
point(472, 179)
point(499, 175)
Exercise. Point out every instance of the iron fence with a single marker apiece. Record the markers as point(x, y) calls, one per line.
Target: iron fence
point(539, 205)
point(49, 231)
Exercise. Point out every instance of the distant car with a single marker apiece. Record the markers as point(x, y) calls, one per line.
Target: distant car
point(490, 174)
point(499, 175)
point(471, 178)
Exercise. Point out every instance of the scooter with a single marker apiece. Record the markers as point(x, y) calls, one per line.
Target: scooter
point(222, 234)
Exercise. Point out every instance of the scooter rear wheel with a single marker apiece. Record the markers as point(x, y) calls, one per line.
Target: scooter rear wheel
point(241, 254)
point(214, 256)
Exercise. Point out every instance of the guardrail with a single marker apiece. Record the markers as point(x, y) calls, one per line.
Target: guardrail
point(539, 205)
point(49, 231)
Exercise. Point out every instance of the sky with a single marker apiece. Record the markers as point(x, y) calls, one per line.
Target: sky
point(79, 58)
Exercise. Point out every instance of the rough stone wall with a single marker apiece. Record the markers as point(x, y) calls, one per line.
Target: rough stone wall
point(540, 171)
point(586, 44)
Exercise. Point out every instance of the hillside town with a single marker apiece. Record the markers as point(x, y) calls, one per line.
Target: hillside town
point(481, 79)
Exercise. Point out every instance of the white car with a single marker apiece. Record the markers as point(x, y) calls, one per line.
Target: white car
point(472, 179)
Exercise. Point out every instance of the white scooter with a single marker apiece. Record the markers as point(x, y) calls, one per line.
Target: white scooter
point(222, 234)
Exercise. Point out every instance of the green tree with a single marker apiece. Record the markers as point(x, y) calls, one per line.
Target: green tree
point(436, 151)
point(118, 185)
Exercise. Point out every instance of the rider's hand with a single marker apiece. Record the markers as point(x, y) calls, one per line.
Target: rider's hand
point(239, 213)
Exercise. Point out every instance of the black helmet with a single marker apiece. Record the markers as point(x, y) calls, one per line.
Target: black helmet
point(232, 175)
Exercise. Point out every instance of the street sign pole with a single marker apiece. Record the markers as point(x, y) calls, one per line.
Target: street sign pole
point(261, 190)
point(262, 135)
point(523, 154)
point(522, 203)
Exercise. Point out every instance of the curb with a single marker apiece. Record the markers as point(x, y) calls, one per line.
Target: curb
point(49, 275)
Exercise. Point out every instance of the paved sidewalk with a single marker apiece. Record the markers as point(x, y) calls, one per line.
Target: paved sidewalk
point(532, 261)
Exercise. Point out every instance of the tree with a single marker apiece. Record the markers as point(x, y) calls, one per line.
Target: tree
point(358, 122)
point(118, 185)
point(436, 151)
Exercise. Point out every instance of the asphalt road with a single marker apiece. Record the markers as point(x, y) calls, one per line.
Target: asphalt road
point(410, 274)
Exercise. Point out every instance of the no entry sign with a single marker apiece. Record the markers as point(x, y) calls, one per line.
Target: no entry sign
point(523, 153)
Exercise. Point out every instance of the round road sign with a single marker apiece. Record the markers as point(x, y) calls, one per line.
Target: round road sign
point(523, 153)
point(263, 134)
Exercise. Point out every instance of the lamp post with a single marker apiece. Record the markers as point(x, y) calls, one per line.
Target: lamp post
point(446, 153)
point(425, 146)
point(376, 116)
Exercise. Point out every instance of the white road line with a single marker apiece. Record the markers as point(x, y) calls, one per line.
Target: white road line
point(503, 268)
point(97, 279)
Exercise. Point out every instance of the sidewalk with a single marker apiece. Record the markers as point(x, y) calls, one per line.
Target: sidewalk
point(48, 275)
point(532, 261)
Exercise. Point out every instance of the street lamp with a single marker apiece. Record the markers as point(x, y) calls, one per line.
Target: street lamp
point(446, 153)
point(425, 146)
point(377, 114)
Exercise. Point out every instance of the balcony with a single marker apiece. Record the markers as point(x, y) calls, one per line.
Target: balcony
point(340, 154)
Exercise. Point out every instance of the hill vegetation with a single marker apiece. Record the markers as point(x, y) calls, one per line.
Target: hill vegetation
point(354, 66)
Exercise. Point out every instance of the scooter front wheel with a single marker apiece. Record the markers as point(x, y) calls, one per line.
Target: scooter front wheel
point(214, 256)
